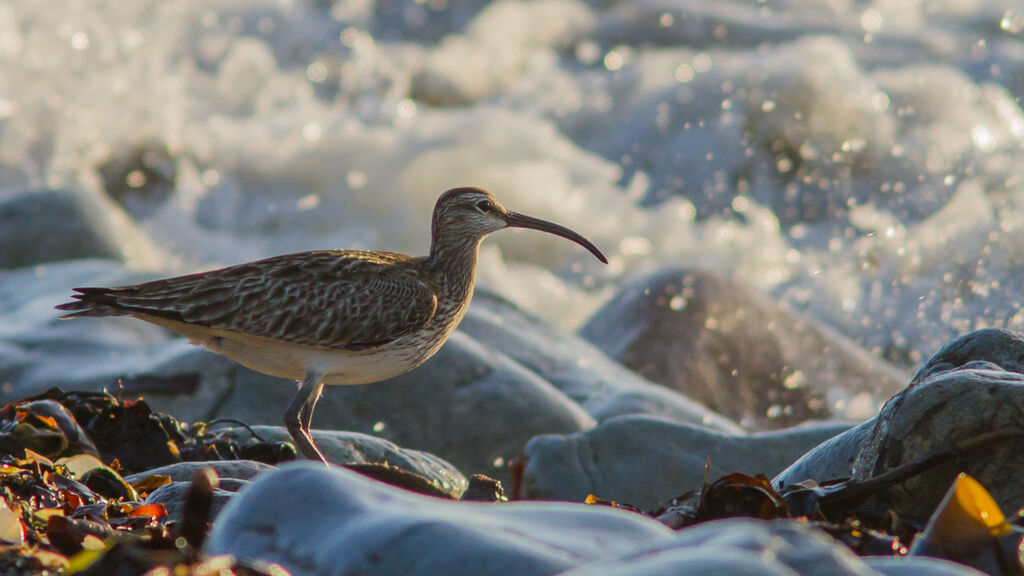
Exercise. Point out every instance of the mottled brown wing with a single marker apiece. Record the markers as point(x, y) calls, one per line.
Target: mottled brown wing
point(329, 299)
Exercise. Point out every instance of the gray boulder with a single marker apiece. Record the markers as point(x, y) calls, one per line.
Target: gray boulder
point(602, 386)
point(315, 521)
point(184, 471)
point(44, 226)
point(733, 350)
point(749, 547)
point(645, 460)
point(967, 390)
point(355, 448)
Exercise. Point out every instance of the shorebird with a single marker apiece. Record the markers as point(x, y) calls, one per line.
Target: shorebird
point(328, 317)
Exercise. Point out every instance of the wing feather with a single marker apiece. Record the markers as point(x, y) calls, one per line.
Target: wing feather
point(332, 299)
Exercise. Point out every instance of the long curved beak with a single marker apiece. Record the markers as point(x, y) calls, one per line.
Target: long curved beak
point(516, 220)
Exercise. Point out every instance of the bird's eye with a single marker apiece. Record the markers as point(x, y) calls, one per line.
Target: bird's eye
point(484, 205)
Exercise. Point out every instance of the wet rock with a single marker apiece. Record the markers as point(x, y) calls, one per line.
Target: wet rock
point(733, 350)
point(174, 497)
point(739, 547)
point(1003, 348)
point(483, 489)
point(183, 471)
point(644, 460)
point(831, 460)
point(960, 394)
point(918, 567)
point(356, 448)
point(602, 386)
point(312, 521)
point(50, 225)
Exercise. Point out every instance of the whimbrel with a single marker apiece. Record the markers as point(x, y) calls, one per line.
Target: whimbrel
point(329, 316)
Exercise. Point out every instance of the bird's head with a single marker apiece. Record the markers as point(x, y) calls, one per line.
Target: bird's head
point(473, 213)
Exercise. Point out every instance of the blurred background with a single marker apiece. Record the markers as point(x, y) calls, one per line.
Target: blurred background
point(860, 162)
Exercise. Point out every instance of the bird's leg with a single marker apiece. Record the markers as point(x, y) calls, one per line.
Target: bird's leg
point(300, 414)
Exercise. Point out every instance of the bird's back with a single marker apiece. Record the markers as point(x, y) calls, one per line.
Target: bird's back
point(336, 299)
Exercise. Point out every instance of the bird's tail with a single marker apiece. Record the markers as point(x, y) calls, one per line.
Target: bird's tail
point(92, 302)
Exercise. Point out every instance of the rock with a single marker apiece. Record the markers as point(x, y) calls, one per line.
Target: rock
point(51, 225)
point(173, 497)
point(959, 394)
point(469, 404)
point(312, 521)
point(602, 386)
point(1003, 348)
point(644, 460)
point(183, 471)
point(745, 547)
point(896, 566)
point(830, 460)
point(355, 448)
point(733, 350)
point(39, 348)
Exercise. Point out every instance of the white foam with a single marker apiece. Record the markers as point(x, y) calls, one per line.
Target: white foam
point(864, 166)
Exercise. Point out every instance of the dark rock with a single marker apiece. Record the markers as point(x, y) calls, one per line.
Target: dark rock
point(959, 394)
point(733, 350)
point(1004, 348)
point(831, 460)
point(354, 448)
point(602, 386)
point(51, 225)
point(175, 495)
point(484, 489)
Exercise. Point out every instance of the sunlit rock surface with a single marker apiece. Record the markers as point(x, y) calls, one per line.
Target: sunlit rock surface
point(340, 523)
point(748, 547)
point(316, 521)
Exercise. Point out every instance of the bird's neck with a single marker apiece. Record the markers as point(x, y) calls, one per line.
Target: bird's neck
point(454, 264)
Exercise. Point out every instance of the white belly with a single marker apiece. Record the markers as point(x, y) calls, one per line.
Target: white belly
point(293, 361)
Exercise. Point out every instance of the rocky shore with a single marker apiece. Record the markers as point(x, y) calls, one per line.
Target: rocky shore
point(691, 427)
